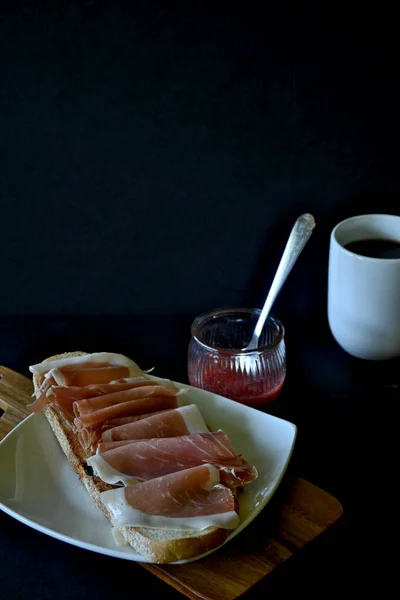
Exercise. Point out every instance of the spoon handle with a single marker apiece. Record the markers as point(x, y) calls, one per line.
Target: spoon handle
point(298, 238)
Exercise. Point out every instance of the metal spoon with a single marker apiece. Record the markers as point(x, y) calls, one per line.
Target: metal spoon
point(298, 238)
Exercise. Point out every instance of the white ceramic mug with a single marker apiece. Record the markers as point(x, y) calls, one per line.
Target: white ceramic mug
point(364, 292)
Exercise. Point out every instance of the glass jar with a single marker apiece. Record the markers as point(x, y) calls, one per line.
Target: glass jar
point(216, 362)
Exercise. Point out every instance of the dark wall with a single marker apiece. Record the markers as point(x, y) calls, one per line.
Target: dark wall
point(154, 157)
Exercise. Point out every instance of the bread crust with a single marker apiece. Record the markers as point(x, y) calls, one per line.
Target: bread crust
point(156, 545)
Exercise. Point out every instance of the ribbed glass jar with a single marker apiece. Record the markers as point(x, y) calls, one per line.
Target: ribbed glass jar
point(216, 362)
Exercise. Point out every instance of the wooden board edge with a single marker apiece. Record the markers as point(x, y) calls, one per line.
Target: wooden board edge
point(163, 573)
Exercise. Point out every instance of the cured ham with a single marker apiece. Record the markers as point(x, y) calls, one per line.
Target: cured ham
point(96, 411)
point(79, 377)
point(170, 423)
point(124, 420)
point(148, 459)
point(88, 375)
point(98, 359)
point(192, 499)
point(90, 438)
point(90, 422)
point(89, 427)
point(90, 405)
point(102, 367)
point(64, 396)
point(104, 446)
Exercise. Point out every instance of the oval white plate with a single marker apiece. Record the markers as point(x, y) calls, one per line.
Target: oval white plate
point(40, 488)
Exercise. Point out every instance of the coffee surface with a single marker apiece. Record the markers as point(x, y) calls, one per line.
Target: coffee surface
point(375, 248)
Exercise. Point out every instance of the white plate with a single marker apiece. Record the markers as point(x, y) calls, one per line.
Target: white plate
point(40, 488)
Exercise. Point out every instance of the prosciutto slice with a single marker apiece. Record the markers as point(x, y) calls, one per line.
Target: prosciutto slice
point(90, 420)
point(104, 446)
point(89, 375)
point(83, 408)
point(125, 420)
point(90, 438)
point(98, 359)
point(192, 499)
point(170, 423)
point(64, 396)
point(102, 367)
point(148, 459)
point(96, 411)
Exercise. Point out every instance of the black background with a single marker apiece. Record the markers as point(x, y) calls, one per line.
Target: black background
point(153, 158)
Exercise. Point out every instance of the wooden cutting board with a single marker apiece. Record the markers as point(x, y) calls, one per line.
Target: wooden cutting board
point(298, 513)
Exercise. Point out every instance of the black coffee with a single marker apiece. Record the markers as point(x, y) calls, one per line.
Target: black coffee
point(376, 248)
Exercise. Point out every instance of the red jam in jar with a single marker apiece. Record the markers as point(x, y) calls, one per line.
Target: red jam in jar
point(216, 362)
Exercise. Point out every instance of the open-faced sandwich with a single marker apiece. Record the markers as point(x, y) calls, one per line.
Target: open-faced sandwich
point(166, 482)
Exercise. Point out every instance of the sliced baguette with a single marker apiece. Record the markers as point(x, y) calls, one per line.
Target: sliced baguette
point(156, 545)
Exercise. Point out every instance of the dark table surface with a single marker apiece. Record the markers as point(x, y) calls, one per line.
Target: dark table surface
point(328, 394)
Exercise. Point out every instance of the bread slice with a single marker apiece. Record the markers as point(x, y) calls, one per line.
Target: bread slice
point(159, 546)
